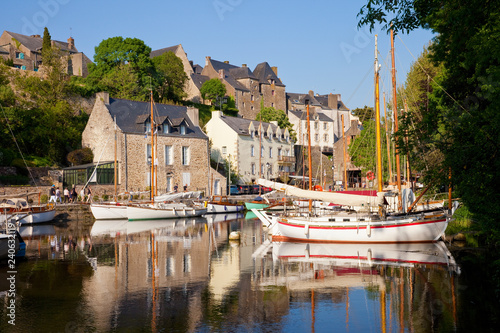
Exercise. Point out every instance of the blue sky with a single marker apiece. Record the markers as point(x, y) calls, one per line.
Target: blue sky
point(315, 45)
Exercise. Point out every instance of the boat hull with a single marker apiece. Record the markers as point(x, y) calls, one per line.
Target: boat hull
point(137, 213)
point(216, 208)
point(254, 205)
point(407, 230)
point(108, 211)
point(30, 217)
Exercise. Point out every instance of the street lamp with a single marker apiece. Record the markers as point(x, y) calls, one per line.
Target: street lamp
point(333, 178)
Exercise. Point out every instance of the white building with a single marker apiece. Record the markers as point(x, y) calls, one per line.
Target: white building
point(251, 147)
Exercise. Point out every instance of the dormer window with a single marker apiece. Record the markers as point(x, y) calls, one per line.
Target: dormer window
point(166, 129)
point(147, 126)
point(183, 129)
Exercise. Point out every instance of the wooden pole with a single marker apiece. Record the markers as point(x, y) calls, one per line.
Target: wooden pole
point(388, 142)
point(309, 152)
point(345, 155)
point(377, 121)
point(395, 109)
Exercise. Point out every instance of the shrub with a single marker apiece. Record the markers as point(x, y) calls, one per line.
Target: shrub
point(44, 198)
point(105, 197)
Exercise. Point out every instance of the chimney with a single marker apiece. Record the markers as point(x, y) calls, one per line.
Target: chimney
point(193, 114)
point(226, 61)
point(207, 60)
point(333, 101)
point(71, 43)
point(311, 93)
point(244, 65)
point(103, 96)
point(275, 70)
point(36, 36)
point(221, 74)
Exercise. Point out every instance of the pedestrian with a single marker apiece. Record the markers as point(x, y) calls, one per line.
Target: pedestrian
point(82, 194)
point(66, 195)
point(176, 188)
point(52, 193)
point(185, 188)
point(74, 195)
point(89, 194)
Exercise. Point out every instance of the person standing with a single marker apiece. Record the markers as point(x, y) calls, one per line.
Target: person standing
point(52, 193)
point(89, 194)
point(74, 195)
point(66, 195)
point(82, 194)
point(58, 195)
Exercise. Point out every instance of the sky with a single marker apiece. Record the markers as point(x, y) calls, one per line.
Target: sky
point(316, 45)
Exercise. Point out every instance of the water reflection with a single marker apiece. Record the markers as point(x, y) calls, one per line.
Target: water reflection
point(186, 275)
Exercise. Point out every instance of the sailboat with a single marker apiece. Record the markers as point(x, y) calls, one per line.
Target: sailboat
point(348, 226)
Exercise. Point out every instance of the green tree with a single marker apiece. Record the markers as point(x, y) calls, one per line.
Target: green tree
point(269, 114)
point(46, 45)
point(121, 82)
point(464, 114)
point(114, 53)
point(364, 114)
point(213, 90)
point(171, 77)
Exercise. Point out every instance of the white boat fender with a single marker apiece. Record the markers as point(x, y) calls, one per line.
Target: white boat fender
point(306, 229)
point(307, 251)
point(369, 229)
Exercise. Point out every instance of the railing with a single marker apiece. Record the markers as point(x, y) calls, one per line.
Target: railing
point(286, 159)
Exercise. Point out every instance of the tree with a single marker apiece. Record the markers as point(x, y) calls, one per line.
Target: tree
point(269, 114)
point(116, 52)
point(364, 114)
point(171, 77)
point(463, 114)
point(46, 45)
point(213, 90)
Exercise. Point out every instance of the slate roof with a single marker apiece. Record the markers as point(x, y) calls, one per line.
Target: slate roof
point(197, 69)
point(241, 125)
point(199, 79)
point(264, 72)
point(159, 52)
point(323, 99)
point(34, 44)
point(300, 99)
point(312, 116)
point(129, 112)
point(242, 73)
point(218, 65)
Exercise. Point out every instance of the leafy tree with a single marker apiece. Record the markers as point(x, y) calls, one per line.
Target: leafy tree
point(116, 52)
point(46, 45)
point(213, 90)
point(463, 115)
point(269, 114)
point(121, 82)
point(171, 77)
point(364, 114)
point(7, 97)
point(81, 156)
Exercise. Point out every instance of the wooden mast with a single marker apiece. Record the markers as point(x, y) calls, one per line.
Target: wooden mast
point(260, 151)
point(377, 120)
point(395, 108)
point(388, 142)
point(115, 163)
point(309, 152)
point(344, 143)
point(152, 151)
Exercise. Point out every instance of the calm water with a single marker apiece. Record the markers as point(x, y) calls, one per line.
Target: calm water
point(187, 276)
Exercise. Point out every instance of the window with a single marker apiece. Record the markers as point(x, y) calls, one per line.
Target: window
point(287, 152)
point(169, 184)
point(252, 134)
point(272, 92)
point(183, 129)
point(147, 128)
point(166, 128)
point(316, 137)
point(148, 154)
point(253, 168)
point(325, 126)
point(19, 55)
point(169, 155)
point(224, 150)
point(262, 169)
point(251, 98)
point(279, 152)
point(252, 151)
point(262, 151)
point(185, 155)
point(270, 152)
point(316, 125)
point(325, 137)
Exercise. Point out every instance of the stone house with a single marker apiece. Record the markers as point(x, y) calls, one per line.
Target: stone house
point(253, 149)
point(26, 52)
point(247, 87)
point(181, 146)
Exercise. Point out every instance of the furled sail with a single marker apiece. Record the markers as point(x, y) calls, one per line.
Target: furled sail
point(333, 197)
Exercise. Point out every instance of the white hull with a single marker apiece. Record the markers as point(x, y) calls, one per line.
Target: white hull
point(216, 208)
point(30, 217)
point(167, 211)
point(395, 231)
point(108, 211)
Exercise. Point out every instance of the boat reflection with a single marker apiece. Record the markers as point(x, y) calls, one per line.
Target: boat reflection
point(415, 281)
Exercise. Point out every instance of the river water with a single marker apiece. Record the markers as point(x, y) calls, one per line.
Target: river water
point(187, 276)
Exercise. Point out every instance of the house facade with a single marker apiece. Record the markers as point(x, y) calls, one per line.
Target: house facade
point(26, 53)
point(253, 149)
point(248, 88)
point(181, 154)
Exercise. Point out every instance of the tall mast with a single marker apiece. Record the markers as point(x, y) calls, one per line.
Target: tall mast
point(309, 152)
point(115, 162)
point(344, 146)
point(377, 120)
point(388, 142)
point(152, 150)
point(395, 108)
point(260, 151)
